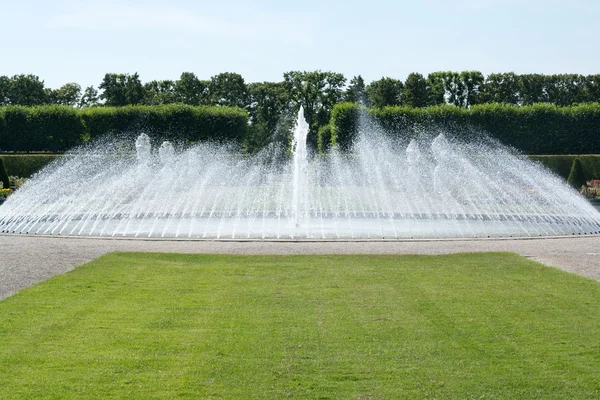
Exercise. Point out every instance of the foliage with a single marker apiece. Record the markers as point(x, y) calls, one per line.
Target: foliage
point(122, 89)
point(4, 179)
point(561, 164)
point(191, 90)
point(344, 125)
point(535, 129)
point(415, 91)
point(228, 89)
point(142, 325)
point(67, 95)
point(26, 165)
point(25, 90)
point(384, 92)
point(576, 176)
point(176, 122)
point(324, 139)
point(159, 92)
point(89, 98)
point(355, 92)
point(317, 92)
point(269, 111)
point(43, 128)
point(501, 88)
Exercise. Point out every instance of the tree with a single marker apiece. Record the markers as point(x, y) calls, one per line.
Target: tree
point(122, 89)
point(472, 86)
point(67, 95)
point(317, 92)
point(454, 88)
point(435, 89)
point(415, 91)
point(592, 88)
point(268, 110)
point(27, 90)
point(159, 92)
point(501, 88)
point(576, 176)
point(134, 90)
point(4, 90)
point(113, 90)
point(89, 97)
point(191, 90)
point(565, 89)
point(228, 89)
point(533, 89)
point(385, 92)
point(355, 92)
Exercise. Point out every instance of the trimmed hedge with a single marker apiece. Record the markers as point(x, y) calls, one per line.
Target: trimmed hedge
point(535, 129)
point(561, 164)
point(59, 128)
point(25, 165)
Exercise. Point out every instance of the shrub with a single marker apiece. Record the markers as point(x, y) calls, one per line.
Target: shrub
point(58, 128)
point(25, 165)
point(561, 164)
point(576, 177)
point(324, 139)
point(533, 129)
point(4, 175)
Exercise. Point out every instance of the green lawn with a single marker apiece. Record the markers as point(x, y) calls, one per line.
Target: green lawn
point(138, 325)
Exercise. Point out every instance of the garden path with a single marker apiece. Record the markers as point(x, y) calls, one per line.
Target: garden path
point(27, 260)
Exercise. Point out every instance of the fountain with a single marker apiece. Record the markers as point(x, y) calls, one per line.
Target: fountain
point(440, 188)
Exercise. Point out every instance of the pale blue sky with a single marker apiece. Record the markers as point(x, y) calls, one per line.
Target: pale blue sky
point(79, 41)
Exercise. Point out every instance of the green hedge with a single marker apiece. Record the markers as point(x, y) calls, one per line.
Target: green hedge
point(561, 164)
point(59, 128)
point(535, 129)
point(25, 165)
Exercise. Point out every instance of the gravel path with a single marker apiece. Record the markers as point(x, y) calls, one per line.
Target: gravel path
point(27, 260)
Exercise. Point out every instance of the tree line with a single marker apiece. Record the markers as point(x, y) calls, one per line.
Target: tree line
point(317, 91)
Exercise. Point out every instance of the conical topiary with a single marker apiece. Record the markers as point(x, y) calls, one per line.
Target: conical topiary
point(4, 175)
point(576, 177)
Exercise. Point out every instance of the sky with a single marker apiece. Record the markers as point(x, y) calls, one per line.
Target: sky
point(65, 41)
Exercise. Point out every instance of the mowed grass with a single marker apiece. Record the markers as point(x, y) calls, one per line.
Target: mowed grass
point(138, 325)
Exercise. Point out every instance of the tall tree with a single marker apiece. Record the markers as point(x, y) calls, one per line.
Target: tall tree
point(317, 92)
point(228, 89)
point(415, 90)
point(89, 97)
point(4, 90)
point(191, 90)
point(385, 92)
point(68, 94)
point(501, 88)
point(473, 84)
point(533, 88)
point(27, 90)
point(435, 89)
point(565, 89)
point(268, 110)
point(122, 89)
point(592, 88)
point(355, 93)
point(159, 92)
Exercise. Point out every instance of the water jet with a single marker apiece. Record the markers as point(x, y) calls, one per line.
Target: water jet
point(440, 188)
